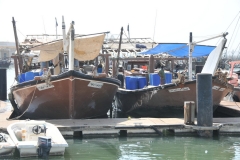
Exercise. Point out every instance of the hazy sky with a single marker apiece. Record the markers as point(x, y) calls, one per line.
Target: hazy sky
point(174, 18)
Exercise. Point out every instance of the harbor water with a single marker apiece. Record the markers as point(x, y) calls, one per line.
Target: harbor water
point(145, 148)
point(137, 148)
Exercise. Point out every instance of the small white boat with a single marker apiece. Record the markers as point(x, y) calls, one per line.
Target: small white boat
point(30, 135)
point(6, 145)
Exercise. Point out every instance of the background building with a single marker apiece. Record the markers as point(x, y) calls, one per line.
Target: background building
point(7, 49)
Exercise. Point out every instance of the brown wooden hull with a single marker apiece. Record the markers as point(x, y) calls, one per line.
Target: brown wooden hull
point(165, 101)
point(236, 94)
point(72, 97)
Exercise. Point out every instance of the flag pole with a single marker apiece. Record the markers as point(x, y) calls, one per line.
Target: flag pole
point(128, 33)
point(56, 27)
point(154, 28)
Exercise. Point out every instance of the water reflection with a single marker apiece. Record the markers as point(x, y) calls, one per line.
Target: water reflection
point(154, 148)
point(236, 148)
point(171, 148)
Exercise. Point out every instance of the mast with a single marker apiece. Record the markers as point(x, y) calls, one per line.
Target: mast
point(18, 57)
point(191, 47)
point(56, 27)
point(128, 33)
point(119, 49)
point(71, 48)
point(64, 43)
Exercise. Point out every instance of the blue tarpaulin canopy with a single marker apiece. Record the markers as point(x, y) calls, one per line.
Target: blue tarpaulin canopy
point(180, 50)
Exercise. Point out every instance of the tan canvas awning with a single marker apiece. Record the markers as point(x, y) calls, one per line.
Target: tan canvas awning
point(85, 48)
point(88, 48)
point(49, 51)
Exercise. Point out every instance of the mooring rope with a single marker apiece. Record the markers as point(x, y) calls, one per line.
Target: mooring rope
point(15, 118)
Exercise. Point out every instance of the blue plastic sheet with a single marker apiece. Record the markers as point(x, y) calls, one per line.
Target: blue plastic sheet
point(180, 50)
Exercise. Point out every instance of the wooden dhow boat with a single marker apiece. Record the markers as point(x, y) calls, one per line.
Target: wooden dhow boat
point(167, 100)
point(67, 93)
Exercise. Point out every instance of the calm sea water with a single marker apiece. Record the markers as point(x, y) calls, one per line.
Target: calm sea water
point(146, 148)
point(166, 148)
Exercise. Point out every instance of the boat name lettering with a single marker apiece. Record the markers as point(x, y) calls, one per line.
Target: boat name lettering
point(95, 84)
point(216, 87)
point(222, 89)
point(44, 86)
point(179, 89)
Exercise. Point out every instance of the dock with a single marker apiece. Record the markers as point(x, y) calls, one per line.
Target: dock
point(117, 127)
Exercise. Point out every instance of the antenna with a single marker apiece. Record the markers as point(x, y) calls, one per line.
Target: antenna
point(128, 32)
point(56, 27)
point(154, 28)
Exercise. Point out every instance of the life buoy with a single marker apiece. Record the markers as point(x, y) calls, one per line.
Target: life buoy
point(37, 129)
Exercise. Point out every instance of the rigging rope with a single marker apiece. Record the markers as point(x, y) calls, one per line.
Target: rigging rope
point(113, 41)
point(16, 118)
point(234, 29)
point(21, 32)
point(128, 38)
point(233, 33)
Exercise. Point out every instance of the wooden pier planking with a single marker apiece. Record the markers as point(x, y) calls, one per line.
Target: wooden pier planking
point(109, 127)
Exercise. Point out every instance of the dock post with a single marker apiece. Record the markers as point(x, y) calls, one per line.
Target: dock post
point(151, 64)
point(189, 112)
point(107, 64)
point(204, 103)
point(114, 67)
point(3, 84)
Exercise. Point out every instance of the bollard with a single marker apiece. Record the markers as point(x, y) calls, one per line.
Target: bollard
point(3, 84)
point(151, 64)
point(189, 112)
point(204, 103)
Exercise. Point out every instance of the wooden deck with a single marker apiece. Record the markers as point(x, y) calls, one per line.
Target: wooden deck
point(110, 127)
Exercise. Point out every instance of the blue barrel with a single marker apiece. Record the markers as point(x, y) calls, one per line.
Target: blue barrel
point(142, 82)
point(168, 77)
point(150, 78)
point(21, 78)
point(99, 70)
point(154, 79)
point(40, 73)
point(133, 83)
point(43, 65)
point(127, 81)
point(36, 73)
point(29, 76)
